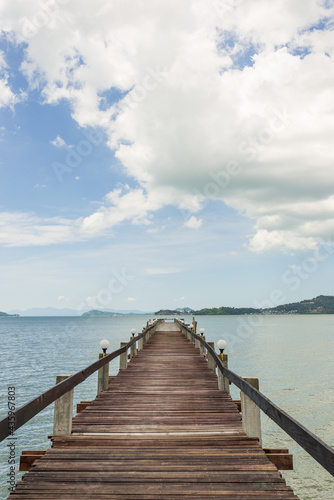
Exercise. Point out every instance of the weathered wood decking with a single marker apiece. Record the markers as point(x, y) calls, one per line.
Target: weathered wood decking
point(161, 430)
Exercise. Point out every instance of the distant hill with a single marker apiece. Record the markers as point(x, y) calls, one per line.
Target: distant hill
point(323, 304)
point(227, 311)
point(8, 315)
point(173, 312)
point(97, 313)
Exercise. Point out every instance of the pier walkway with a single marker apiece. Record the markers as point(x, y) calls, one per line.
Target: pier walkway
point(162, 430)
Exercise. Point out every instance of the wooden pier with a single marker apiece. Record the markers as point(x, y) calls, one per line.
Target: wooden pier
point(162, 430)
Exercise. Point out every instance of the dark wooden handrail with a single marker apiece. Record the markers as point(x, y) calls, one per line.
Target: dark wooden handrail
point(314, 446)
point(36, 405)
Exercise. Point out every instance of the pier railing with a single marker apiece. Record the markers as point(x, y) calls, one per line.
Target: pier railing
point(314, 446)
point(26, 412)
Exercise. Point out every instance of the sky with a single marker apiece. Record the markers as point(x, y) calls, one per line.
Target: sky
point(162, 154)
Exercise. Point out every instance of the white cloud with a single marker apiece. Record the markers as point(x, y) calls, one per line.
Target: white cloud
point(7, 96)
point(60, 143)
point(91, 298)
point(194, 122)
point(25, 229)
point(281, 240)
point(132, 205)
point(132, 299)
point(62, 298)
point(135, 206)
point(193, 223)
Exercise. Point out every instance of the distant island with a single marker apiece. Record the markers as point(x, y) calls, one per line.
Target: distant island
point(174, 312)
point(323, 304)
point(94, 313)
point(9, 315)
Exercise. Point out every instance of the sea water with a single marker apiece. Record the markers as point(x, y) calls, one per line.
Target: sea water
point(291, 355)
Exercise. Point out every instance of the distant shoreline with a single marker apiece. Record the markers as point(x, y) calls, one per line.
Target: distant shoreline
point(170, 315)
point(323, 304)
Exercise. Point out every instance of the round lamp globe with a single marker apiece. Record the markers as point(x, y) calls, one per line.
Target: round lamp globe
point(221, 344)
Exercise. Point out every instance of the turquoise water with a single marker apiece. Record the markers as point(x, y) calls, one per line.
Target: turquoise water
point(291, 355)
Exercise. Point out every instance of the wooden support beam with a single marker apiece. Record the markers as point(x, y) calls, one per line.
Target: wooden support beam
point(28, 457)
point(82, 405)
point(280, 457)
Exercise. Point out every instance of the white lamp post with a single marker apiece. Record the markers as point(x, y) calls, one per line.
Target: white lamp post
point(202, 331)
point(221, 344)
point(104, 346)
point(133, 332)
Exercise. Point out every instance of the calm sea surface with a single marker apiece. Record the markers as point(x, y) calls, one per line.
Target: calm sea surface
point(291, 355)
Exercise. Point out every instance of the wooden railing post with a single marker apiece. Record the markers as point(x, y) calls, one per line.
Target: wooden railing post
point(202, 347)
point(102, 376)
point(63, 411)
point(251, 419)
point(191, 338)
point(148, 335)
point(197, 344)
point(123, 359)
point(223, 382)
point(132, 349)
point(211, 360)
point(140, 344)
